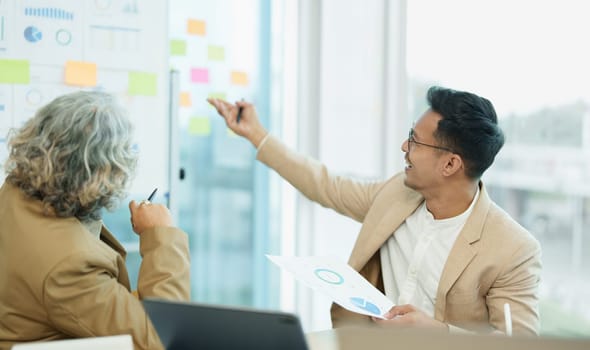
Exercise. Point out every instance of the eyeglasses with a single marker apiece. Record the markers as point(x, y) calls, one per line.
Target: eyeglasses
point(411, 140)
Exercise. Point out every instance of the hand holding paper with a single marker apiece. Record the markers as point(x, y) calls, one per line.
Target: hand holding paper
point(339, 281)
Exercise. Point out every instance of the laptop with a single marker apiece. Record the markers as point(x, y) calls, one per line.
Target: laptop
point(183, 325)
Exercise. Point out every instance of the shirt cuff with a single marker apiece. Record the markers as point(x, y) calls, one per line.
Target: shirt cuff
point(263, 141)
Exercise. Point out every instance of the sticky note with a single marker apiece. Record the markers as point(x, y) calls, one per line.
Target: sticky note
point(220, 95)
point(196, 27)
point(239, 78)
point(80, 73)
point(177, 48)
point(216, 53)
point(143, 84)
point(199, 75)
point(185, 99)
point(200, 126)
point(15, 72)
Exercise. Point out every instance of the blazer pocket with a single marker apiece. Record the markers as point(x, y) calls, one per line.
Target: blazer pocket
point(462, 296)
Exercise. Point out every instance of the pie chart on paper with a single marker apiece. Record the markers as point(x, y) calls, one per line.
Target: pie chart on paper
point(32, 34)
point(366, 305)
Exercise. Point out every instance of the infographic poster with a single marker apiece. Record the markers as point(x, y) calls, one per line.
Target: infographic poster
point(53, 47)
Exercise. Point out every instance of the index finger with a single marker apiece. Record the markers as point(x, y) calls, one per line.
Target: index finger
point(220, 105)
point(132, 206)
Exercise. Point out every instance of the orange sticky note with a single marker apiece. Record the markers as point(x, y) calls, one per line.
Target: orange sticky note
point(185, 99)
point(196, 27)
point(239, 78)
point(80, 73)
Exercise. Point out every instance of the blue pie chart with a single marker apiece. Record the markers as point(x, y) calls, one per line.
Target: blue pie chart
point(365, 305)
point(32, 34)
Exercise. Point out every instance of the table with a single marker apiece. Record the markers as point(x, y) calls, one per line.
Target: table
point(377, 338)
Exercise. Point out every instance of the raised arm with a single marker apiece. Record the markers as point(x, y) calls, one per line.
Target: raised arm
point(345, 195)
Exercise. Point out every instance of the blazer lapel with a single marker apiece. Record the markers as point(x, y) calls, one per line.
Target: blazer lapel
point(372, 237)
point(462, 251)
point(107, 237)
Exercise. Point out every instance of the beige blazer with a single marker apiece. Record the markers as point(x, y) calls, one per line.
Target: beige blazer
point(59, 281)
point(493, 261)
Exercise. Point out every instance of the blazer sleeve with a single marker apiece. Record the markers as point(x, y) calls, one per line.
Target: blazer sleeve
point(346, 196)
point(165, 266)
point(83, 297)
point(518, 285)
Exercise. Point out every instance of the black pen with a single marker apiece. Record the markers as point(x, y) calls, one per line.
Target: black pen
point(239, 116)
point(153, 194)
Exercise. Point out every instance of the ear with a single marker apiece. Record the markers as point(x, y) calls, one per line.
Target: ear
point(453, 164)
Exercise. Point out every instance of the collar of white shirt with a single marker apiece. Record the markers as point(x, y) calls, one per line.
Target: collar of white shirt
point(414, 256)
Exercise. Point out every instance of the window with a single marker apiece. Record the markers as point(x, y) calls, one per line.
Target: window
point(220, 49)
point(530, 58)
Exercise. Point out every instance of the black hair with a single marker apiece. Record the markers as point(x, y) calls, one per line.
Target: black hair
point(469, 126)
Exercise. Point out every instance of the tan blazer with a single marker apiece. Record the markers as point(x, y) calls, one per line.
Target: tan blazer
point(58, 281)
point(493, 261)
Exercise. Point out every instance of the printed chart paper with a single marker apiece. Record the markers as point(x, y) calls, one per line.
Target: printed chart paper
point(338, 281)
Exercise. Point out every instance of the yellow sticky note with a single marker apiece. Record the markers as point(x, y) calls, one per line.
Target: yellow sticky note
point(196, 27)
point(220, 95)
point(177, 47)
point(15, 72)
point(80, 73)
point(143, 84)
point(239, 78)
point(200, 126)
point(185, 99)
point(216, 53)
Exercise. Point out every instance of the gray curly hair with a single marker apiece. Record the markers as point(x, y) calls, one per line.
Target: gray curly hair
point(74, 155)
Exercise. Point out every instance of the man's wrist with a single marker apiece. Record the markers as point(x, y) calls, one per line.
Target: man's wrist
point(258, 138)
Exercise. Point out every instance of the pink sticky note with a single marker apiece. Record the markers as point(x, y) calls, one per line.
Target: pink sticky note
point(199, 75)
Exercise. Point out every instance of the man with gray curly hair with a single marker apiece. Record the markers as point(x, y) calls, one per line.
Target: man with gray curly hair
point(62, 273)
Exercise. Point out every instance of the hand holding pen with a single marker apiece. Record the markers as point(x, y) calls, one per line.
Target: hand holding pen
point(241, 118)
point(147, 215)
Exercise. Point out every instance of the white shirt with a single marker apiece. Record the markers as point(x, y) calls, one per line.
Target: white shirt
point(413, 258)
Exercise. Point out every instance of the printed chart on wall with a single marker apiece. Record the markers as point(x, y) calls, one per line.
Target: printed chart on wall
point(52, 47)
point(213, 61)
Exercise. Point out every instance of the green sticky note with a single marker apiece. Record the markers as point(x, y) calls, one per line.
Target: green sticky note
point(15, 72)
point(143, 84)
point(219, 95)
point(216, 53)
point(199, 126)
point(177, 47)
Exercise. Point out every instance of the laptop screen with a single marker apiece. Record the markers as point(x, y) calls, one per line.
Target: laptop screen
point(183, 325)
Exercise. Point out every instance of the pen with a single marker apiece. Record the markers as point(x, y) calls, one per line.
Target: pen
point(508, 319)
point(153, 194)
point(239, 116)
